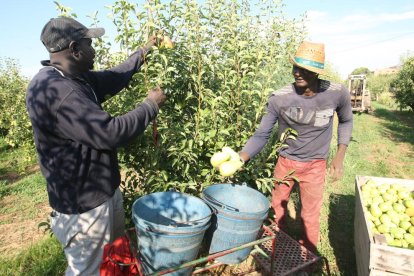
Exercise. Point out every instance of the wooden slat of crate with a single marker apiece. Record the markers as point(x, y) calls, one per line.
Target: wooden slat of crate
point(361, 237)
point(373, 258)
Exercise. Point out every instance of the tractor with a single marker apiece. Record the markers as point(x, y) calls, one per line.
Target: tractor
point(360, 96)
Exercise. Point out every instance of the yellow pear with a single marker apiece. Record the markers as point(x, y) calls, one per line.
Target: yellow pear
point(167, 43)
point(234, 156)
point(228, 168)
point(218, 158)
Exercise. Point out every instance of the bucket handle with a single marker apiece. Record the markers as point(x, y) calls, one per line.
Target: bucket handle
point(232, 216)
point(121, 264)
point(191, 222)
point(223, 206)
point(150, 229)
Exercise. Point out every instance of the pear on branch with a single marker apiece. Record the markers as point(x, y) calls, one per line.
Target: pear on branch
point(167, 42)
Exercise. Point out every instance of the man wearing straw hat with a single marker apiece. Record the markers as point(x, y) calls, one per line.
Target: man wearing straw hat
point(307, 106)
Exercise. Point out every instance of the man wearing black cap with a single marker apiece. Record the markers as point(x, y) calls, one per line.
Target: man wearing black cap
point(76, 139)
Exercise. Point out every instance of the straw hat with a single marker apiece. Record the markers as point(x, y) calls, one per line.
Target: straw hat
point(310, 56)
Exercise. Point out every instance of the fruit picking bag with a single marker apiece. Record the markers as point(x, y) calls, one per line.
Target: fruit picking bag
point(118, 259)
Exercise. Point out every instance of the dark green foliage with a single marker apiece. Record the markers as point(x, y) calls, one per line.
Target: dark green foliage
point(225, 63)
point(403, 85)
point(361, 71)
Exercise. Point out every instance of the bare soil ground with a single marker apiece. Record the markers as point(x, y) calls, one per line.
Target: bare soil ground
point(18, 230)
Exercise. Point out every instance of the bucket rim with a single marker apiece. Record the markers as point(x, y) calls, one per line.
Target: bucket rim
point(237, 215)
point(203, 221)
point(230, 208)
point(178, 226)
point(166, 192)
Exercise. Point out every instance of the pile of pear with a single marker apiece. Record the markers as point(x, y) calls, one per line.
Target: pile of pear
point(390, 211)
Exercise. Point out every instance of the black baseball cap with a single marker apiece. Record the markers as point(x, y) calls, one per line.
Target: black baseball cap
point(59, 32)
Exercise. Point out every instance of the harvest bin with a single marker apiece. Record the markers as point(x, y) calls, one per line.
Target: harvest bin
point(373, 256)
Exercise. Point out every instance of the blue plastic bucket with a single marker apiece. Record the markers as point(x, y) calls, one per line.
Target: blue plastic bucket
point(239, 214)
point(170, 227)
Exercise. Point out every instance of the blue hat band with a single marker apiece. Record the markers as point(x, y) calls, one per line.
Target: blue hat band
point(309, 63)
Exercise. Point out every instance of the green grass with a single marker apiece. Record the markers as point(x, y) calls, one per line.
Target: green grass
point(23, 198)
point(42, 259)
point(14, 161)
point(29, 192)
point(382, 145)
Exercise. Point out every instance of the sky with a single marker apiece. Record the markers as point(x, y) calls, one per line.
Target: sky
point(368, 33)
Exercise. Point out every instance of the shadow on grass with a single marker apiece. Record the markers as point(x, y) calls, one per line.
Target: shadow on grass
point(13, 163)
point(4, 147)
point(341, 231)
point(398, 125)
point(294, 228)
point(293, 219)
point(13, 176)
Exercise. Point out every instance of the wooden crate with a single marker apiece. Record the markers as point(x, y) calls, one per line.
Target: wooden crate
point(374, 257)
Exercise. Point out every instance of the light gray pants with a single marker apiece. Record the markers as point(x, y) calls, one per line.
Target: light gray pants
point(83, 236)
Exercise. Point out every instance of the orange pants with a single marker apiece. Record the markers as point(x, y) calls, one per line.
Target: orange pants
point(312, 181)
